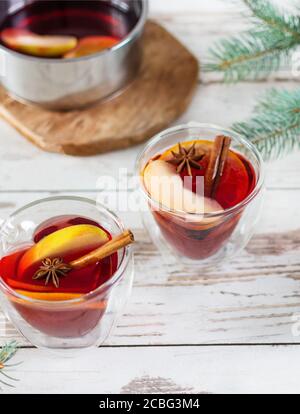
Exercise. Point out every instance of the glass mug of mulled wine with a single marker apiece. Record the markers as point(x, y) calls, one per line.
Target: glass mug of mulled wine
point(66, 270)
point(203, 186)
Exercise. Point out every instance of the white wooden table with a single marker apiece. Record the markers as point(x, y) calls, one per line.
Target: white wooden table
point(230, 330)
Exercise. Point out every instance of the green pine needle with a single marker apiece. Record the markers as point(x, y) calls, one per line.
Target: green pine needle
point(259, 51)
point(275, 125)
point(264, 11)
point(6, 353)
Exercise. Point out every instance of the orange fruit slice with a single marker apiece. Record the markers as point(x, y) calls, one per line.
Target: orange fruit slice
point(68, 240)
point(90, 45)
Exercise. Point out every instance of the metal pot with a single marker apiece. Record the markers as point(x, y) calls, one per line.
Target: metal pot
point(64, 84)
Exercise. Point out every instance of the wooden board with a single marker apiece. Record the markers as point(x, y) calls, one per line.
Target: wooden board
point(159, 95)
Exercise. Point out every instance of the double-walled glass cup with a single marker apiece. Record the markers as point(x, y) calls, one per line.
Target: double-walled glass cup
point(77, 323)
point(207, 238)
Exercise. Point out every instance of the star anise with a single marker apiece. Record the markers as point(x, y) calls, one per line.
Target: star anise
point(52, 269)
point(186, 158)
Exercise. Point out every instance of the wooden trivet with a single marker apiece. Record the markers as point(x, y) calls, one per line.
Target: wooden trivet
point(160, 94)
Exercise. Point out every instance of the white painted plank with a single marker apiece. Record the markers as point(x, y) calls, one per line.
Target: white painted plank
point(256, 369)
point(280, 214)
point(24, 167)
point(251, 299)
point(199, 25)
point(215, 7)
point(171, 7)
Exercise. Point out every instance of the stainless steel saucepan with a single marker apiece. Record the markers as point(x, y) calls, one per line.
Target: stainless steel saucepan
point(64, 84)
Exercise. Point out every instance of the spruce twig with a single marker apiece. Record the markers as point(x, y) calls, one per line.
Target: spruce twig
point(260, 51)
point(275, 125)
point(6, 353)
point(264, 11)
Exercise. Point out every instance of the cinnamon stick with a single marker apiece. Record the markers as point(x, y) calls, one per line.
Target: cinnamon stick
point(216, 165)
point(107, 249)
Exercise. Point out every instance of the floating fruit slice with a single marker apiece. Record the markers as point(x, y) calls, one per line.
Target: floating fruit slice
point(9, 264)
point(166, 187)
point(19, 285)
point(234, 183)
point(56, 223)
point(78, 283)
point(49, 296)
point(62, 242)
point(90, 45)
point(60, 296)
point(201, 146)
point(36, 45)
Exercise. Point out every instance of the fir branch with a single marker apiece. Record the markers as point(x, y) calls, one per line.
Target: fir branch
point(6, 353)
point(265, 11)
point(251, 56)
point(275, 125)
point(257, 52)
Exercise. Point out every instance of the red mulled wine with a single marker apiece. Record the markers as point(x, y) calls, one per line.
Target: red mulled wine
point(68, 237)
point(53, 28)
point(72, 18)
point(184, 221)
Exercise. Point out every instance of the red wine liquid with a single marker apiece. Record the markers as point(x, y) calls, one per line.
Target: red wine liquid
point(76, 320)
point(200, 240)
point(74, 18)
